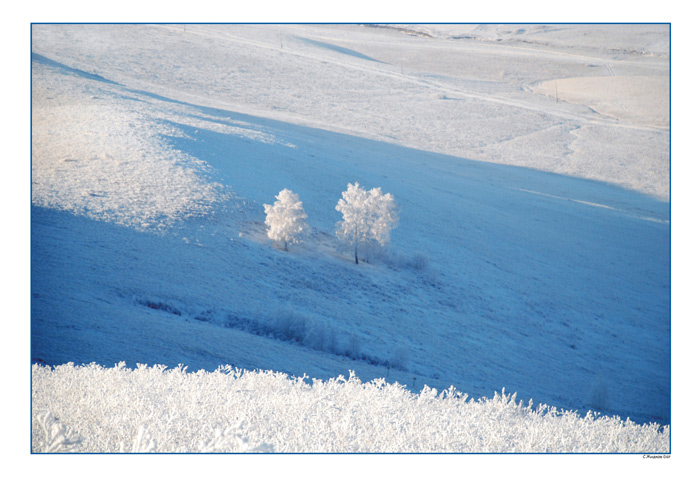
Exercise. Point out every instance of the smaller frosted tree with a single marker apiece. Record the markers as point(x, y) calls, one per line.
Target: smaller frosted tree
point(286, 219)
point(368, 216)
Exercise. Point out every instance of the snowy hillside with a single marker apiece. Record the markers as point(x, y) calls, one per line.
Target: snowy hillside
point(588, 101)
point(154, 149)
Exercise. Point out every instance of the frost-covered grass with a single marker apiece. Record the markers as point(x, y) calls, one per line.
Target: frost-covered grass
point(91, 408)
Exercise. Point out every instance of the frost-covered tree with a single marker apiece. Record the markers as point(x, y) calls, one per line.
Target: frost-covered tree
point(368, 216)
point(286, 219)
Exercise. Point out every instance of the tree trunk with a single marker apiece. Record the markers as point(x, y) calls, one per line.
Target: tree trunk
point(356, 261)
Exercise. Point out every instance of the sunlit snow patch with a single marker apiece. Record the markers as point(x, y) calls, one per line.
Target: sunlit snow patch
point(99, 155)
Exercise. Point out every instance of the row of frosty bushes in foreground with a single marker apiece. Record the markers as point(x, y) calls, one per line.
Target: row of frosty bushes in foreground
point(153, 409)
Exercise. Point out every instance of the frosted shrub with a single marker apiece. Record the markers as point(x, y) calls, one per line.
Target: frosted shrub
point(286, 219)
point(322, 337)
point(53, 436)
point(232, 410)
point(288, 325)
point(368, 217)
point(418, 262)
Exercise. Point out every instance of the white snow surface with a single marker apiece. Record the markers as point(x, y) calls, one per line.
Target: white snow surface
point(154, 149)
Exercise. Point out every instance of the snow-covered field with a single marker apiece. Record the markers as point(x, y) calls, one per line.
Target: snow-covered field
point(530, 163)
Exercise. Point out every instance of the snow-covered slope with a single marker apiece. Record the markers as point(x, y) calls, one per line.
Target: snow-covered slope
point(506, 94)
point(154, 149)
